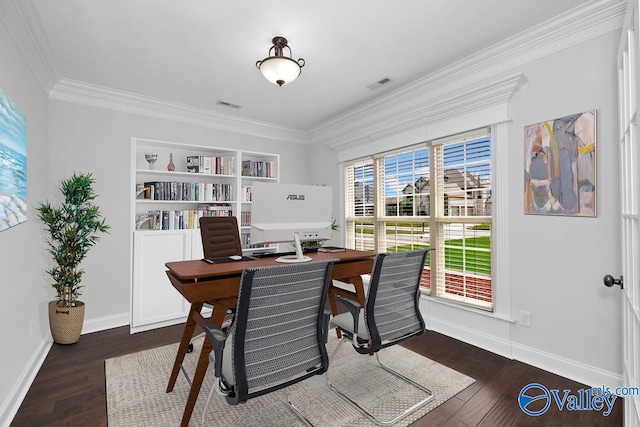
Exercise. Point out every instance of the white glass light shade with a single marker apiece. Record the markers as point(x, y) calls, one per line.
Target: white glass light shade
point(280, 70)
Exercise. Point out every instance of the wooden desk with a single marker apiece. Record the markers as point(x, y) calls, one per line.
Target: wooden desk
point(200, 282)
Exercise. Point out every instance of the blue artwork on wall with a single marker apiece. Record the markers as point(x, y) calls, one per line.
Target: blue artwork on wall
point(13, 164)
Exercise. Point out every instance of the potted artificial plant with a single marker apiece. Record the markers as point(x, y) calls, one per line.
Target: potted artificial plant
point(73, 229)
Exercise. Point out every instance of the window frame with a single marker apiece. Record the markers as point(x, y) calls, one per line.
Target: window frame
point(501, 294)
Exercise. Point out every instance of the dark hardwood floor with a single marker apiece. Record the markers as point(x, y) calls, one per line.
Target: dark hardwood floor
point(69, 390)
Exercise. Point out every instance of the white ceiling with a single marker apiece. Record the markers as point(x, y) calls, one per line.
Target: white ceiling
point(198, 52)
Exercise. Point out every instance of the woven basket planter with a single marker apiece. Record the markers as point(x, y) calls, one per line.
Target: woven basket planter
point(66, 322)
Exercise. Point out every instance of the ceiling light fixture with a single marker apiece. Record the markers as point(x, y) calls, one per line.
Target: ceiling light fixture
point(280, 69)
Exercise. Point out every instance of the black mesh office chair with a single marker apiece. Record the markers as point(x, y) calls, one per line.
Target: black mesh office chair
point(391, 315)
point(278, 336)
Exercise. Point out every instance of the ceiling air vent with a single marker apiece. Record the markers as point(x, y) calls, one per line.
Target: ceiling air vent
point(228, 104)
point(379, 83)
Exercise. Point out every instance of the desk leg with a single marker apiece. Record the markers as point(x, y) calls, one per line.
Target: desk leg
point(189, 327)
point(217, 317)
point(198, 377)
point(334, 308)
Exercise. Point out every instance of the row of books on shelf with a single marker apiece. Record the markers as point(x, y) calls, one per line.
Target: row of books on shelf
point(246, 193)
point(188, 191)
point(216, 165)
point(246, 243)
point(245, 218)
point(184, 219)
point(259, 168)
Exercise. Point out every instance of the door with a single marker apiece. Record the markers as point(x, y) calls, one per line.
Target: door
point(630, 198)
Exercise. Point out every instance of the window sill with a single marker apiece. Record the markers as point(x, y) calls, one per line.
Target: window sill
point(440, 301)
point(467, 308)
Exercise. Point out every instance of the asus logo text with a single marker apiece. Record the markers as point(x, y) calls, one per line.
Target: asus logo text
point(295, 197)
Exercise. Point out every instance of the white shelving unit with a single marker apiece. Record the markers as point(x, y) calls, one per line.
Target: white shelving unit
point(174, 235)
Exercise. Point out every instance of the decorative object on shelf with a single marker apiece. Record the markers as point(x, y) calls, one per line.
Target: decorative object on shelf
point(560, 166)
point(141, 188)
point(73, 229)
point(151, 158)
point(141, 219)
point(280, 69)
point(171, 167)
point(13, 152)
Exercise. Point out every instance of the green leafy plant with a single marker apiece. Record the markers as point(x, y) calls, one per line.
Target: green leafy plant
point(73, 228)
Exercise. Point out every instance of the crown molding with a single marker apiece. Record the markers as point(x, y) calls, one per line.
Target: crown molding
point(418, 113)
point(436, 94)
point(475, 98)
point(30, 40)
point(78, 92)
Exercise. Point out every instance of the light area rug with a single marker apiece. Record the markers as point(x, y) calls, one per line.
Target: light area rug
point(136, 396)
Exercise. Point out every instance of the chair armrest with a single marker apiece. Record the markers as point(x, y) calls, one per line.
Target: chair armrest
point(218, 339)
point(326, 318)
point(354, 308)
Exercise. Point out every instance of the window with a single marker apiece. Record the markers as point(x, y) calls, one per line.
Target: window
point(359, 202)
point(433, 195)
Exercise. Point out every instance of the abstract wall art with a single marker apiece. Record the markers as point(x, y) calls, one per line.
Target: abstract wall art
point(560, 166)
point(13, 164)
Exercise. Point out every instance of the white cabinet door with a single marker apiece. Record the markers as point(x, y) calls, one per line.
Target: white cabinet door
point(155, 302)
point(196, 245)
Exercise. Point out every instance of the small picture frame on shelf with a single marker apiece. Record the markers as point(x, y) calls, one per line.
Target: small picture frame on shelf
point(193, 164)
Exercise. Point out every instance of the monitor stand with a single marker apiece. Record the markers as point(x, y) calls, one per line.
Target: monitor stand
point(298, 257)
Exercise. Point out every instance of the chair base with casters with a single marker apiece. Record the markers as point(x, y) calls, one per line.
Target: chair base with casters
point(391, 315)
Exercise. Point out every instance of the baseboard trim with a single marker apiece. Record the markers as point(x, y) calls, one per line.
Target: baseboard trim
point(577, 371)
point(206, 313)
point(485, 341)
point(107, 322)
point(10, 407)
point(156, 325)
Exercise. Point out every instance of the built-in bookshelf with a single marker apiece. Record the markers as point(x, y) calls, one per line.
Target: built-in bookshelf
point(167, 205)
point(204, 182)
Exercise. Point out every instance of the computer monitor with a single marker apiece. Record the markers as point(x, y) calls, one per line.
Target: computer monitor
point(290, 213)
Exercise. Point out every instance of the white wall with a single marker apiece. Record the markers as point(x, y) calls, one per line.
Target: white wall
point(323, 170)
point(25, 290)
point(558, 262)
point(96, 140)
